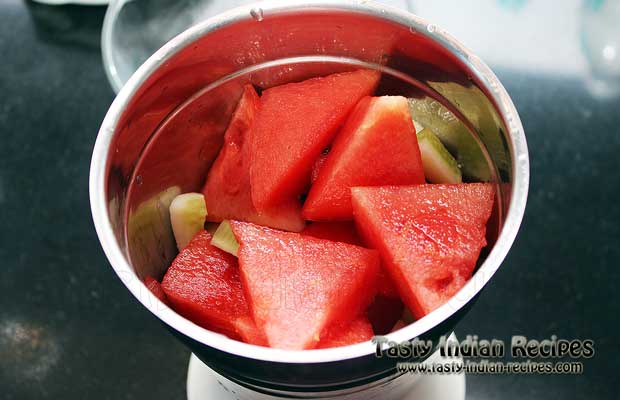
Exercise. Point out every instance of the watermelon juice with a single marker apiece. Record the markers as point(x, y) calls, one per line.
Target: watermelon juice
point(337, 208)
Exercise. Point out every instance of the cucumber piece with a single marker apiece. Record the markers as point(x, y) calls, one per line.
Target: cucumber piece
point(418, 126)
point(453, 134)
point(150, 245)
point(439, 165)
point(477, 108)
point(224, 239)
point(187, 215)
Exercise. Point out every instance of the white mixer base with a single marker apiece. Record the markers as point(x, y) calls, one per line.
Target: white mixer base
point(204, 384)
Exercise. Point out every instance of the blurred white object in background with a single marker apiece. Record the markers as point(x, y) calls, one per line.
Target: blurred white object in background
point(135, 29)
point(600, 39)
point(536, 36)
point(573, 38)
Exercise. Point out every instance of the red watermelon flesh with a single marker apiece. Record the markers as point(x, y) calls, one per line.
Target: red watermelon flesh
point(298, 285)
point(249, 332)
point(384, 313)
point(357, 331)
point(344, 231)
point(335, 231)
point(376, 146)
point(400, 324)
point(317, 167)
point(385, 285)
point(295, 123)
point(227, 189)
point(153, 285)
point(429, 236)
point(203, 285)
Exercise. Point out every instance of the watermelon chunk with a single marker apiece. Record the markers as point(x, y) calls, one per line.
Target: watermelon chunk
point(429, 236)
point(335, 231)
point(344, 231)
point(357, 331)
point(249, 332)
point(376, 146)
point(298, 285)
point(227, 189)
point(385, 285)
point(203, 285)
point(294, 124)
point(317, 167)
point(153, 285)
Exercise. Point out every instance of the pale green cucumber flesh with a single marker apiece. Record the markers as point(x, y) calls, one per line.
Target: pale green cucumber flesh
point(439, 165)
point(224, 239)
point(418, 126)
point(453, 134)
point(187, 216)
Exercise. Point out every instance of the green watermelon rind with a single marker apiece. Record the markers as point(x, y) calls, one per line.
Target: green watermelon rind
point(453, 134)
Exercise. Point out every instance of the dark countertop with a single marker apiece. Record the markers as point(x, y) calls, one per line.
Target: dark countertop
point(69, 329)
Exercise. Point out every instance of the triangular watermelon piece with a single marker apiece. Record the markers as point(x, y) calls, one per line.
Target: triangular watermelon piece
point(376, 146)
point(429, 236)
point(249, 332)
point(203, 285)
point(335, 231)
point(345, 231)
point(227, 189)
point(155, 287)
point(317, 167)
point(298, 285)
point(357, 331)
point(294, 124)
point(385, 285)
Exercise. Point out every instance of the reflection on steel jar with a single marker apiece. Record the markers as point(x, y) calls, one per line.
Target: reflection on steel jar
point(165, 128)
point(133, 30)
